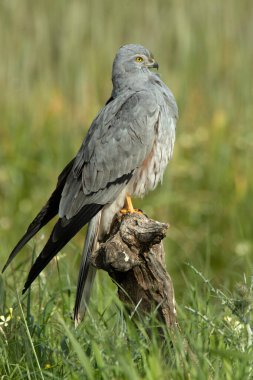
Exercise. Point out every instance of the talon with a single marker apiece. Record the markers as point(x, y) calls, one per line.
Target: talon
point(138, 211)
point(128, 207)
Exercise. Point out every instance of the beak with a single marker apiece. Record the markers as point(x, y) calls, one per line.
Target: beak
point(153, 64)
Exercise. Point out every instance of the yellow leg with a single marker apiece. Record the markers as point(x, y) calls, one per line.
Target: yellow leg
point(128, 207)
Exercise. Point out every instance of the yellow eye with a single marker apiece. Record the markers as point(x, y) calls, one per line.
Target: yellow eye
point(139, 59)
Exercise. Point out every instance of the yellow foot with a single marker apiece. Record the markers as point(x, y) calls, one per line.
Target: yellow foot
point(128, 207)
point(134, 211)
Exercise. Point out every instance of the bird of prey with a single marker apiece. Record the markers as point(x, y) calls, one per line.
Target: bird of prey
point(124, 154)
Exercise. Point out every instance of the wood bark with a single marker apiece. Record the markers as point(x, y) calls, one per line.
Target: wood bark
point(134, 257)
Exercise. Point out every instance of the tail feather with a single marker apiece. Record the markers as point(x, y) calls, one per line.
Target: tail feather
point(87, 272)
point(81, 309)
point(63, 231)
point(44, 216)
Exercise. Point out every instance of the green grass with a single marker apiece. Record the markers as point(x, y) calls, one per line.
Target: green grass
point(214, 342)
point(55, 66)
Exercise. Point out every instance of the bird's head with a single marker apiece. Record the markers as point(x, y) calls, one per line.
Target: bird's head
point(132, 59)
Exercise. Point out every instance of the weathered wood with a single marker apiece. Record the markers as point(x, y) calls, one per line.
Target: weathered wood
point(134, 257)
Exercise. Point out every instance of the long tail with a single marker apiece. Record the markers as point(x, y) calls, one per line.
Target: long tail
point(87, 272)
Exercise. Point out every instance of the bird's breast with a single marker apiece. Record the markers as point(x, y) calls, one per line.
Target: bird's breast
point(150, 173)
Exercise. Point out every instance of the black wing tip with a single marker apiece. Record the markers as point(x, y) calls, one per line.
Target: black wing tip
point(12, 256)
point(22, 242)
point(5, 266)
point(25, 288)
point(48, 211)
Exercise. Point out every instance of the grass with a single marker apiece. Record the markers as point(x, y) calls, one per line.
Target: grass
point(55, 66)
point(215, 340)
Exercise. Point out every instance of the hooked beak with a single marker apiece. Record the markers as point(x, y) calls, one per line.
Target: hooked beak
point(152, 64)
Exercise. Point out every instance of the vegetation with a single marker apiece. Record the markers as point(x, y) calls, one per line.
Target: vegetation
point(55, 65)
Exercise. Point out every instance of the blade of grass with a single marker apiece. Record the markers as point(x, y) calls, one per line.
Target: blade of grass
point(84, 360)
point(30, 339)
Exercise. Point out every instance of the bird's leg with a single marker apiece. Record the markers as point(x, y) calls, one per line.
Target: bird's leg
point(128, 204)
point(128, 207)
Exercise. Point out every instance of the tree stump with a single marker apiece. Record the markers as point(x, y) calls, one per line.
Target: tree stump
point(134, 257)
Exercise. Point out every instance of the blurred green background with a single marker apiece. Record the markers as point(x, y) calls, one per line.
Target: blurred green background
point(55, 69)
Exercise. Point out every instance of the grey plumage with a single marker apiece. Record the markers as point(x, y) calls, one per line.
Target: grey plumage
point(87, 272)
point(125, 152)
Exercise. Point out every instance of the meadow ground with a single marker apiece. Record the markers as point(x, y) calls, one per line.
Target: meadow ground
point(55, 67)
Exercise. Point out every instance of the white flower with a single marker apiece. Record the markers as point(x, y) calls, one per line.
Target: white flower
point(4, 321)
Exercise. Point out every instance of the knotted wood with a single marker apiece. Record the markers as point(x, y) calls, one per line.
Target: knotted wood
point(134, 257)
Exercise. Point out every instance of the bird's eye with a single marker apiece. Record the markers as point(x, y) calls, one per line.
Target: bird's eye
point(139, 59)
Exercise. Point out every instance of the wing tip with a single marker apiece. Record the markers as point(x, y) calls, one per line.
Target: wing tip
point(5, 266)
point(25, 288)
point(11, 257)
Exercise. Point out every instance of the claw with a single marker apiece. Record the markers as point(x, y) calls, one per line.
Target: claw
point(128, 207)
